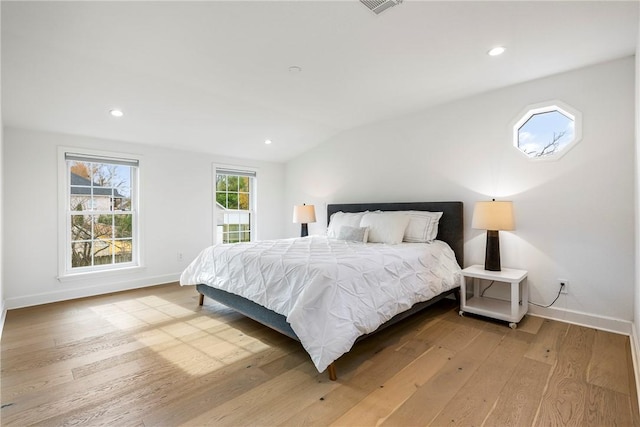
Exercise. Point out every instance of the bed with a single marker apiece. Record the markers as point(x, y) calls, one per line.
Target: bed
point(297, 316)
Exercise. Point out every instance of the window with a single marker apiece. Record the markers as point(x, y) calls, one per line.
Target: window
point(100, 213)
point(547, 131)
point(234, 207)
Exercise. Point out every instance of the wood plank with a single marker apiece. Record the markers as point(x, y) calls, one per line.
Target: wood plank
point(35, 382)
point(519, 399)
point(530, 324)
point(608, 365)
point(545, 346)
point(72, 352)
point(460, 338)
point(564, 400)
point(16, 347)
point(145, 400)
point(475, 399)
point(192, 398)
point(427, 337)
point(256, 401)
point(383, 401)
point(364, 369)
point(93, 389)
point(607, 407)
point(151, 381)
point(429, 399)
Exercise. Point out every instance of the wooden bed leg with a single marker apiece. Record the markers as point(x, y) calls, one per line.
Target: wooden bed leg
point(332, 372)
point(201, 300)
point(456, 294)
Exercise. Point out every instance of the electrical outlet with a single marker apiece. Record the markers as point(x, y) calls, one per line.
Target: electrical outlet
point(179, 257)
point(564, 289)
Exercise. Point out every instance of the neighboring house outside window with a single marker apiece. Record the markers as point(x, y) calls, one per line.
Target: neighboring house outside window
point(234, 207)
point(104, 199)
point(101, 213)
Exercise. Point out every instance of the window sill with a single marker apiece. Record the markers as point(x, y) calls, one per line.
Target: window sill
point(97, 274)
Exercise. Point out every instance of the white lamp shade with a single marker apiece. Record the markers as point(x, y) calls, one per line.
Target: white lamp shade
point(304, 214)
point(493, 216)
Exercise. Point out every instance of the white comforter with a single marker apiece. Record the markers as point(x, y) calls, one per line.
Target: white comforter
point(331, 291)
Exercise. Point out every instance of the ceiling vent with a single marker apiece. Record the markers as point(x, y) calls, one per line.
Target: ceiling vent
point(378, 6)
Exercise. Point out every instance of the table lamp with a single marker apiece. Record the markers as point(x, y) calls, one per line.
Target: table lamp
point(493, 216)
point(304, 214)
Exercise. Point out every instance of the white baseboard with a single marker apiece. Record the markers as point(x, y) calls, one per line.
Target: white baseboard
point(603, 323)
point(88, 291)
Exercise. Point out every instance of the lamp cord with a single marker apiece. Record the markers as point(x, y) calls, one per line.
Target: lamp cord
point(485, 289)
point(554, 301)
point(530, 302)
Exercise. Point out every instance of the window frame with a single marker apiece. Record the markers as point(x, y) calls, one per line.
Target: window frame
point(547, 107)
point(253, 191)
point(65, 269)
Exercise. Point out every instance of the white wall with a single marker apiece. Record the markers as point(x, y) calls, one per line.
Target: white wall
point(177, 202)
point(635, 348)
point(574, 216)
point(2, 303)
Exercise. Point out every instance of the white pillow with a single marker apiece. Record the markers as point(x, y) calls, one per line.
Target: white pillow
point(423, 226)
point(385, 227)
point(355, 234)
point(339, 219)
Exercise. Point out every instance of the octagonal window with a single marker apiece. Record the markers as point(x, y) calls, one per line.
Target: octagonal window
point(547, 131)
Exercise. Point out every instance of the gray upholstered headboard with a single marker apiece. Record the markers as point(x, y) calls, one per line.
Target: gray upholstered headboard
point(450, 229)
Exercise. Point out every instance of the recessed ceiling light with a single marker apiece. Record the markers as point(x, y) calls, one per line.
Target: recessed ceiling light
point(295, 69)
point(498, 50)
point(116, 113)
point(267, 141)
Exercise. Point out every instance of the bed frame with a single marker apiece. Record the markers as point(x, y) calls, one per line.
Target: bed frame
point(450, 230)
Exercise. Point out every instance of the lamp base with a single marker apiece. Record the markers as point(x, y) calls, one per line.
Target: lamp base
point(492, 253)
point(304, 230)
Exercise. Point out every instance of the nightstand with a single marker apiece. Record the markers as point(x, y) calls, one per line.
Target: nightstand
point(511, 311)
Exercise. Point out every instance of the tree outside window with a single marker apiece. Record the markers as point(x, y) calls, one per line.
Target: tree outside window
point(101, 214)
point(547, 131)
point(234, 206)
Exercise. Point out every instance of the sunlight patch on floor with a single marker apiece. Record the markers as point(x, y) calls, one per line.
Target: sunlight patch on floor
point(165, 328)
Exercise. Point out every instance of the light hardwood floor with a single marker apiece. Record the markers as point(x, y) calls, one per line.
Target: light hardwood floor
point(154, 357)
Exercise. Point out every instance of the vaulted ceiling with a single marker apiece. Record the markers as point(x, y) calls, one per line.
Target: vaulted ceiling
point(220, 77)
